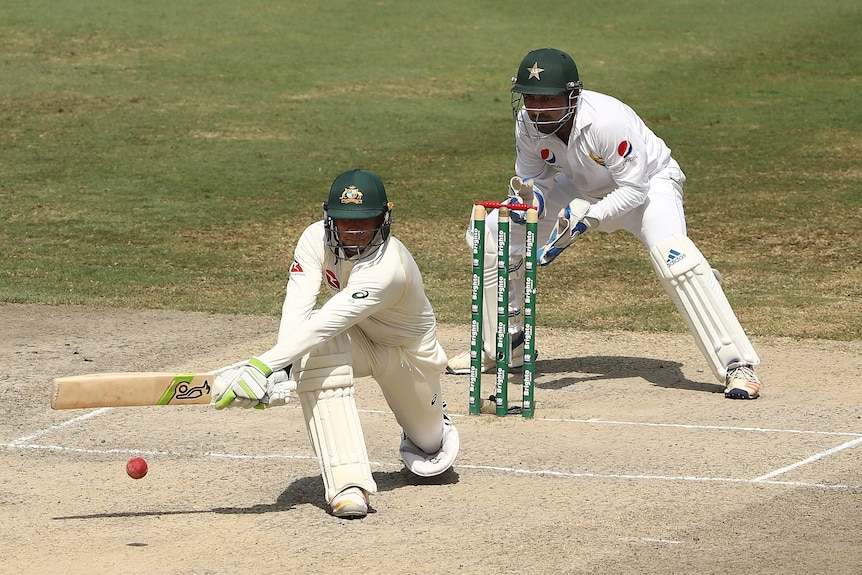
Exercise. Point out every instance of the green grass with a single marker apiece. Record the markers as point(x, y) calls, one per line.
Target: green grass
point(167, 155)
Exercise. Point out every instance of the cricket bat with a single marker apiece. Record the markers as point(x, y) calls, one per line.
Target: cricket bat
point(128, 389)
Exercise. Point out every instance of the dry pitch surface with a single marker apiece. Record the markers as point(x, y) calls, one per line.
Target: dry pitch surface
point(635, 463)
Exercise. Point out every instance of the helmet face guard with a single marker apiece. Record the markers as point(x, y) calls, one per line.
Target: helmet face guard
point(345, 247)
point(546, 72)
point(356, 195)
point(544, 129)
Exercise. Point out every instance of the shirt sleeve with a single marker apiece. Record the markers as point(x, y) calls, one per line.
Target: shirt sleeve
point(303, 286)
point(625, 157)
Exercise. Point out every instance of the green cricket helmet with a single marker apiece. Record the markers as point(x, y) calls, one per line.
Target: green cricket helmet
point(547, 72)
point(357, 195)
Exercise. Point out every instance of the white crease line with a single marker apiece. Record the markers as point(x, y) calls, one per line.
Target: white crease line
point(811, 459)
point(653, 540)
point(514, 470)
point(659, 477)
point(650, 424)
point(151, 452)
point(155, 452)
point(41, 432)
point(762, 479)
point(653, 477)
point(711, 427)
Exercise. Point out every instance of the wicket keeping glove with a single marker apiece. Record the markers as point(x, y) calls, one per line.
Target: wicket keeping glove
point(525, 192)
point(571, 223)
point(244, 387)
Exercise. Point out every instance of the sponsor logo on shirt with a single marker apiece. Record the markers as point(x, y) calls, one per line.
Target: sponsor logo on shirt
point(295, 268)
point(362, 294)
point(625, 150)
point(332, 281)
point(549, 156)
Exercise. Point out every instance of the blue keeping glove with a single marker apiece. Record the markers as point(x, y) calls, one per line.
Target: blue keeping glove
point(571, 222)
point(525, 192)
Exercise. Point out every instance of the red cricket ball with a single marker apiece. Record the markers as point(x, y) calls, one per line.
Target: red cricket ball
point(136, 467)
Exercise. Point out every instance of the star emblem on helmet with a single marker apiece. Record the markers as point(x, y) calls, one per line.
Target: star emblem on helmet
point(535, 71)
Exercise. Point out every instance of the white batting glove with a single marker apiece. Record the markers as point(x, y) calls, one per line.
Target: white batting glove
point(244, 387)
point(525, 192)
point(280, 387)
point(571, 223)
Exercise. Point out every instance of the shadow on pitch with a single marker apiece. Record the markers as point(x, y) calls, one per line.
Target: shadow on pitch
point(303, 491)
point(578, 370)
point(309, 490)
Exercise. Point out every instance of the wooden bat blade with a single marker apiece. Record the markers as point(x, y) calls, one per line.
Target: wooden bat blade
point(132, 389)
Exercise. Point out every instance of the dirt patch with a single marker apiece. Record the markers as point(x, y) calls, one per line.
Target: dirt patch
point(635, 463)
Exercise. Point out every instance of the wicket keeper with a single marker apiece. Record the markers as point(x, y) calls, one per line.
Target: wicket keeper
point(587, 161)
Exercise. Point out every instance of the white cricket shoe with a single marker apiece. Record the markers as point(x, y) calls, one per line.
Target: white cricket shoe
point(350, 503)
point(742, 383)
point(460, 364)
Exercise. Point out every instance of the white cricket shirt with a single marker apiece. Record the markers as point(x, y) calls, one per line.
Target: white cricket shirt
point(611, 155)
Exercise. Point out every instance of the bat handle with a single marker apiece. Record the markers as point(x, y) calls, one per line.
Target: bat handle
point(227, 367)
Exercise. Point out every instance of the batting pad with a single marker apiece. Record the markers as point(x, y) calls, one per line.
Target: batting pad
point(688, 279)
point(325, 388)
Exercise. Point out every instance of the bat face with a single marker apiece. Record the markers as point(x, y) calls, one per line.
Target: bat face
point(184, 388)
point(132, 389)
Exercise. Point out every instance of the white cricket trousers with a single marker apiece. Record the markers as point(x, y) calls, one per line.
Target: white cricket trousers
point(409, 378)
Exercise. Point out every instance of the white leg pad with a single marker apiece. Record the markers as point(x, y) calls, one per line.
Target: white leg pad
point(689, 281)
point(325, 388)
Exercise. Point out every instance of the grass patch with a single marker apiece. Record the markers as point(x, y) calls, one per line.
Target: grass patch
point(167, 155)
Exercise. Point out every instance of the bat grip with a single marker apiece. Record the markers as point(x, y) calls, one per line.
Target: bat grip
point(228, 367)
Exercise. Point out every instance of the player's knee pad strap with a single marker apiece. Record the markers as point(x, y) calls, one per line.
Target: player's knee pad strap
point(325, 388)
point(687, 277)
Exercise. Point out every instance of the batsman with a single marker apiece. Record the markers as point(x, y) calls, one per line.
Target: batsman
point(377, 322)
point(588, 162)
